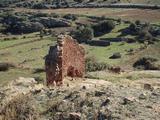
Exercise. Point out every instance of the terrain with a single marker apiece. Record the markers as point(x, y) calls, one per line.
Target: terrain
point(127, 40)
point(81, 99)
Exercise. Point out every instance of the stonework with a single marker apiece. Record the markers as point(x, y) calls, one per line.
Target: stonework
point(64, 59)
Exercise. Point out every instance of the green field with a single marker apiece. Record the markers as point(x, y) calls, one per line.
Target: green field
point(28, 53)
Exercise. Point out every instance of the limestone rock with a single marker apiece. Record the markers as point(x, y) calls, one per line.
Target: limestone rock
point(74, 116)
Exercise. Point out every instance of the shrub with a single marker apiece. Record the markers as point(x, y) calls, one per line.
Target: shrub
point(93, 65)
point(39, 79)
point(5, 66)
point(132, 27)
point(103, 27)
point(39, 70)
point(39, 6)
point(54, 15)
point(83, 34)
point(146, 63)
point(79, 1)
point(119, 20)
point(137, 22)
point(27, 27)
point(70, 17)
point(144, 36)
point(19, 108)
point(40, 14)
point(102, 43)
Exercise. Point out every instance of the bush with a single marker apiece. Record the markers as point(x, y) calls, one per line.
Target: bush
point(137, 22)
point(103, 27)
point(27, 27)
point(40, 14)
point(79, 1)
point(144, 36)
point(146, 63)
point(39, 6)
point(19, 108)
point(54, 15)
point(83, 34)
point(115, 56)
point(39, 70)
point(39, 79)
point(93, 65)
point(132, 27)
point(70, 17)
point(102, 43)
point(5, 66)
point(53, 22)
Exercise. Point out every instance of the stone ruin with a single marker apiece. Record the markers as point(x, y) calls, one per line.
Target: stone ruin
point(64, 59)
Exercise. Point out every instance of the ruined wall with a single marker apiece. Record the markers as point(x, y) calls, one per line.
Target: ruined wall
point(64, 59)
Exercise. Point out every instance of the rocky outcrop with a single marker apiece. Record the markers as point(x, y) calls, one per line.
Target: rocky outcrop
point(53, 22)
point(64, 59)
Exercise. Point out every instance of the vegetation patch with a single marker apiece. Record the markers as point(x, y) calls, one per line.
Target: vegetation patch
point(103, 27)
point(20, 108)
point(93, 65)
point(147, 63)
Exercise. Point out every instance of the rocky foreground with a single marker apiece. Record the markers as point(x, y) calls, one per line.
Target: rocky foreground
point(80, 99)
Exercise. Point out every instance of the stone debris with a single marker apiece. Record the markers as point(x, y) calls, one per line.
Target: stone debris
point(128, 100)
point(142, 96)
point(74, 116)
point(74, 103)
point(148, 86)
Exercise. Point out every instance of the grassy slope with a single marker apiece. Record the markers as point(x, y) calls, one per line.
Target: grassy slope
point(30, 55)
point(103, 53)
point(33, 53)
point(18, 54)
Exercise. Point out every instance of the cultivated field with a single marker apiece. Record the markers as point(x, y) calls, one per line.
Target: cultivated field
point(126, 14)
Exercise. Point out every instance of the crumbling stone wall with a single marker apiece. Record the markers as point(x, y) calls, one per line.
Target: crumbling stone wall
point(64, 59)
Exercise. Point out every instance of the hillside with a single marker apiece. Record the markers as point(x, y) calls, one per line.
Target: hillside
point(98, 1)
point(19, 42)
point(80, 100)
point(107, 60)
point(66, 3)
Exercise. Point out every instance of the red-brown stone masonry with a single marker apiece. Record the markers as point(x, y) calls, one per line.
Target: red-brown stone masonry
point(65, 59)
point(73, 58)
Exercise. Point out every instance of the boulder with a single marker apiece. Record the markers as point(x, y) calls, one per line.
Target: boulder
point(74, 116)
point(142, 96)
point(115, 56)
point(148, 87)
point(99, 93)
point(128, 100)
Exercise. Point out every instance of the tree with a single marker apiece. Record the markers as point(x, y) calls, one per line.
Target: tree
point(103, 27)
point(83, 34)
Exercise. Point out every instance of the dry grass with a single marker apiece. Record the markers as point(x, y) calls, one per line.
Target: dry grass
point(19, 108)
